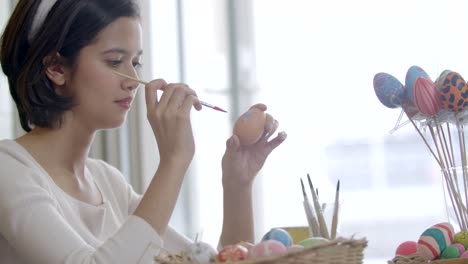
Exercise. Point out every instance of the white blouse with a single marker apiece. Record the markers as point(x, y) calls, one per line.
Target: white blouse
point(41, 223)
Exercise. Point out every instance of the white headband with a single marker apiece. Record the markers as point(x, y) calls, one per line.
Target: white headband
point(42, 11)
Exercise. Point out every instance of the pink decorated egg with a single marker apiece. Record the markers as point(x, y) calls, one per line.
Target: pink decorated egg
point(232, 253)
point(460, 247)
point(267, 248)
point(464, 255)
point(407, 248)
point(427, 97)
point(434, 240)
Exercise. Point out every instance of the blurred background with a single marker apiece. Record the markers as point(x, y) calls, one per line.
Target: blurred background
point(312, 62)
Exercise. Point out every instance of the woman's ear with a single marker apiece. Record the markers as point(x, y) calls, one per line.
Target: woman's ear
point(55, 69)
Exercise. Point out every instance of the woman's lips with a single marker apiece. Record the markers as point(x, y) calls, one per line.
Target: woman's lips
point(125, 103)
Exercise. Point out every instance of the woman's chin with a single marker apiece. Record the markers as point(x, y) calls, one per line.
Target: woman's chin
point(115, 122)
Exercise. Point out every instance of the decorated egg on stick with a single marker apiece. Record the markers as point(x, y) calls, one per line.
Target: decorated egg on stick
point(439, 81)
point(411, 75)
point(389, 90)
point(427, 97)
point(454, 92)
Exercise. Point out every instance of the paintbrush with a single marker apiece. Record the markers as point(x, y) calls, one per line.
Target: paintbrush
point(318, 210)
point(145, 83)
point(313, 225)
point(334, 224)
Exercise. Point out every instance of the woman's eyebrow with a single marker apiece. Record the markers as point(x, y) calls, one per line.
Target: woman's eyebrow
point(121, 51)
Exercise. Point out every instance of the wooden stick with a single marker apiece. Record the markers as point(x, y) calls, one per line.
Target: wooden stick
point(450, 186)
point(318, 210)
point(145, 83)
point(334, 225)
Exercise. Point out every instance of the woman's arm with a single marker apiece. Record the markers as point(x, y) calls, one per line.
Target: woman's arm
point(240, 166)
point(169, 118)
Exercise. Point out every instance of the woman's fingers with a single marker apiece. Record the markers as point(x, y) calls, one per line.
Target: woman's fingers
point(262, 107)
point(151, 96)
point(176, 95)
point(270, 127)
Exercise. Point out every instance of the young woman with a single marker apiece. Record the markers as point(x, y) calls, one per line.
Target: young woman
point(57, 205)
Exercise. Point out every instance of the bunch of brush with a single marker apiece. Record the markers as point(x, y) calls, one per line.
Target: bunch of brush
point(315, 215)
point(438, 111)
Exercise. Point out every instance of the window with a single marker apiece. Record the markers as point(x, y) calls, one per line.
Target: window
point(6, 115)
point(316, 61)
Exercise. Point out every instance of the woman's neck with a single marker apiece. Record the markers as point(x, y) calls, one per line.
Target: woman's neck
point(65, 148)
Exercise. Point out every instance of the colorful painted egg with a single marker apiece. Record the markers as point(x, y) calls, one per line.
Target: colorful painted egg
point(267, 248)
point(427, 97)
point(232, 253)
point(389, 90)
point(434, 240)
point(454, 92)
point(450, 252)
point(462, 238)
point(249, 127)
point(411, 75)
point(313, 241)
point(407, 248)
point(201, 252)
point(464, 255)
point(280, 235)
point(439, 81)
point(460, 247)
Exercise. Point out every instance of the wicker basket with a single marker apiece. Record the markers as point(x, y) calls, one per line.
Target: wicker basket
point(341, 250)
point(416, 259)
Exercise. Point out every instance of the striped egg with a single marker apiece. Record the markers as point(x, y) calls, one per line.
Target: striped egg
point(454, 92)
point(389, 90)
point(427, 97)
point(434, 240)
point(411, 75)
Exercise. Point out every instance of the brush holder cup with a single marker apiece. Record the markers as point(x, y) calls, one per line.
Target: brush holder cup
point(455, 181)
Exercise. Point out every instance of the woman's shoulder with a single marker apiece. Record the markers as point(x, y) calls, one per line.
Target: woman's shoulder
point(13, 155)
point(18, 166)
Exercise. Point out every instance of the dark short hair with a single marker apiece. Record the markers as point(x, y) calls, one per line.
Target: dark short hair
point(69, 26)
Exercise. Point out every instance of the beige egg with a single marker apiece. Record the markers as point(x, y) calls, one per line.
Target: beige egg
point(249, 127)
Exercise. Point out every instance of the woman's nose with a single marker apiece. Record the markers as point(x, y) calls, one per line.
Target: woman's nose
point(129, 83)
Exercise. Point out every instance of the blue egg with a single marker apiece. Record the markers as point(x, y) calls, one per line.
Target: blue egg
point(279, 235)
point(411, 75)
point(389, 90)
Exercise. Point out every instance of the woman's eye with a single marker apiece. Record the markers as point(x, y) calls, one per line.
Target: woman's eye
point(114, 63)
point(137, 65)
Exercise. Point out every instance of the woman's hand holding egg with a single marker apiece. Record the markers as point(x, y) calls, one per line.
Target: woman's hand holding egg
point(248, 148)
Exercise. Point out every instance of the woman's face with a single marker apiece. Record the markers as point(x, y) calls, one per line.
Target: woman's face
point(102, 97)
